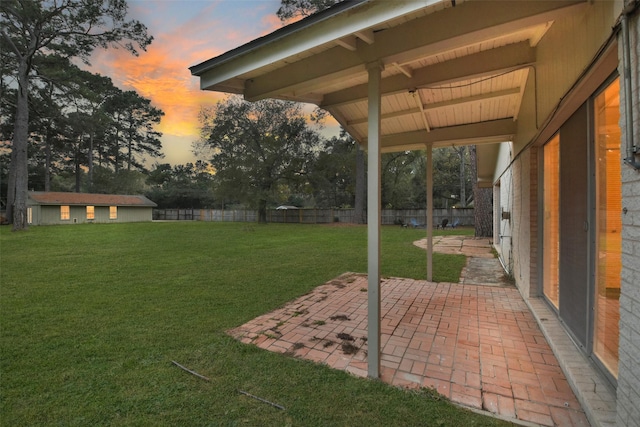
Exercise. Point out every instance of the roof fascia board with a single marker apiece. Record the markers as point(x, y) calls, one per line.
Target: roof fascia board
point(502, 59)
point(274, 36)
point(301, 36)
point(429, 35)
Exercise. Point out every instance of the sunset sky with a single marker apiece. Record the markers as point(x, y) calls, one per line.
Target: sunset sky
point(186, 32)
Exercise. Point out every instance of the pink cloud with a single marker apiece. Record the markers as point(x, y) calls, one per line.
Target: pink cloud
point(185, 33)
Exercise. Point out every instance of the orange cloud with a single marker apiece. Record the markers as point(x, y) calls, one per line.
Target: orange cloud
point(161, 73)
point(163, 77)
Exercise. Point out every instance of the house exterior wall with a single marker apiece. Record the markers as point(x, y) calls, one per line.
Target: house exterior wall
point(628, 393)
point(50, 215)
point(36, 214)
point(520, 224)
point(562, 56)
point(534, 206)
point(503, 202)
point(518, 237)
point(131, 214)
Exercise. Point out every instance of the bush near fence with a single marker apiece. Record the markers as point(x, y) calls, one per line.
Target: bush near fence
point(316, 216)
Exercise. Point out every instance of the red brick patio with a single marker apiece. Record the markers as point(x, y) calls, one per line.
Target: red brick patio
point(477, 345)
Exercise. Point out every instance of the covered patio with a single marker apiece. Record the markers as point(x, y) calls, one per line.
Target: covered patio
point(504, 76)
point(475, 342)
point(400, 76)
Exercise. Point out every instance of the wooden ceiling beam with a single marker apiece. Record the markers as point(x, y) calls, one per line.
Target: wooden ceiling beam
point(482, 64)
point(476, 133)
point(426, 108)
point(430, 35)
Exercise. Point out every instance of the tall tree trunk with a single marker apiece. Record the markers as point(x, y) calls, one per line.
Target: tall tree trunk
point(77, 165)
point(90, 161)
point(129, 155)
point(117, 155)
point(47, 164)
point(11, 187)
point(19, 159)
point(463, 181)
point(482, 200)
point(262, 211)
point(360, 186)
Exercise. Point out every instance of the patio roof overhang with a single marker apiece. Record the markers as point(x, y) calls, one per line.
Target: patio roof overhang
point(454, 71)
point(401, 76)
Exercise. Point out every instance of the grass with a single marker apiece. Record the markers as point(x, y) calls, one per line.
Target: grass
point(92, 316)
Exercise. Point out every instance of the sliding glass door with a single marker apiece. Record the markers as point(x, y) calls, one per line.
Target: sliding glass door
point(608, 220)
point(551, 221)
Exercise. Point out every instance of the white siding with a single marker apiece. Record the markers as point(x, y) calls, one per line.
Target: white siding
point(562, 55)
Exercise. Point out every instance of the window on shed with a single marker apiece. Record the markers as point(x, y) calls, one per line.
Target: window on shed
point(64, 213)
point(91, 214)
point(113, 212)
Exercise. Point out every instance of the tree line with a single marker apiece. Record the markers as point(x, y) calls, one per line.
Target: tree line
point(56, 112)
point(83, 134)
point(81, 126)
point(270, 153)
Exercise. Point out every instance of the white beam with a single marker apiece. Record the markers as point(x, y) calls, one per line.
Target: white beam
point(471, 99)
point(348, 43)
point(386, 116)
point(489, 132)
point(366, 36)
point(438, 105)
point(403, 69)
point(478, 65)
point(373, 220)
point(423, 113)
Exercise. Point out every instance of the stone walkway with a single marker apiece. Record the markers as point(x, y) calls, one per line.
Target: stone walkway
point(482, 268)
point(477, 345)
point(479, 247)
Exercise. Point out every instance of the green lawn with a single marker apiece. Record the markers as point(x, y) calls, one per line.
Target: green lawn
point(92, 316)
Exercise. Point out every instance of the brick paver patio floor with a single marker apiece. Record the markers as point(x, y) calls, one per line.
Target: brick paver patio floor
point(477, 345)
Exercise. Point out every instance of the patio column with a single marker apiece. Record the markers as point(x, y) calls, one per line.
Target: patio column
point(373, 220)
point(429, 165)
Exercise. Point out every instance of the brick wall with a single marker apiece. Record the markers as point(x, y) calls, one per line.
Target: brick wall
point(533, 221)
point(503, 233)
point(521, 222)
point(628, 392)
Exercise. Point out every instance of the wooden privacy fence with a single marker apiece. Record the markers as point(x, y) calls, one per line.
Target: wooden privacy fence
point(411, 217)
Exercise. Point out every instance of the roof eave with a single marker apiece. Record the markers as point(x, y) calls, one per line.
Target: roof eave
point(342, 20)
point(286, 31)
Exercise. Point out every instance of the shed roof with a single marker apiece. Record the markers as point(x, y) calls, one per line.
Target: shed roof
point(454, 71)
point(87, 199)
